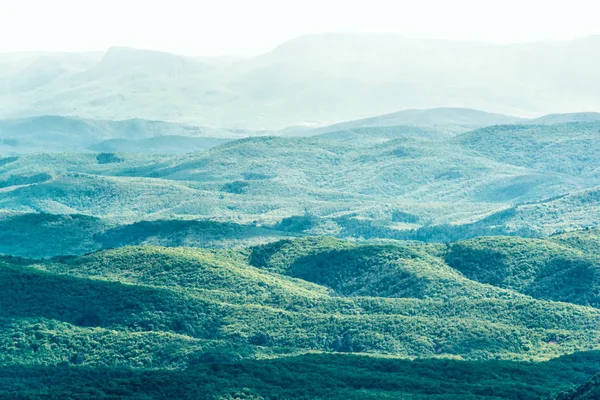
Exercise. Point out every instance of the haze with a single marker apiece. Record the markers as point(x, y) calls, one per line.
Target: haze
point(233, 27)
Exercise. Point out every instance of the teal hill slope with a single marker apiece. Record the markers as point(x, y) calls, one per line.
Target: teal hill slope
point(588, 391)
point(546, 269)
point(48, 235)
point(527, 180)
point(306, 377)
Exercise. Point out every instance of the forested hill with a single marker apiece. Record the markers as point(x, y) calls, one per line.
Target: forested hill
point(135, 313)
point(527, 180)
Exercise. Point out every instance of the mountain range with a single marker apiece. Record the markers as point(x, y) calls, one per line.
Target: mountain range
point(335, 219)
point(309, 81)
point(61, 134)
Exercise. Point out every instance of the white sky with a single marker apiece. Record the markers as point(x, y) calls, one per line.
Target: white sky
point(245, 27)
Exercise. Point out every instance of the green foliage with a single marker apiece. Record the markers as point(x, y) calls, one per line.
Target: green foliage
point(133, 314)
point(525, 180)
point(305, 377)
point(588, 391)
point(17, 180)
point(297, 223)
point(47, 235)
point(566, 148)
point(237, 187)
point(539, 268)
point(295, 296)
point(108, 158)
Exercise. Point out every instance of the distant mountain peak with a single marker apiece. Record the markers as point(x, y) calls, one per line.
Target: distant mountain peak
point(451, 119)
point(128, 58)
point(569, 117)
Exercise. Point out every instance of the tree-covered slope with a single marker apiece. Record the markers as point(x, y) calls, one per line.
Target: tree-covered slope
point(569, 117)
point(133, 314)
point(412, 304)
point(570, 148)
point(47, 235)
point(168, 144)
point(512, 179)
point(588, 391)
point(568, 212)
point(369, 270)
point(545, 269)
point(373, 135)
point(306, 377)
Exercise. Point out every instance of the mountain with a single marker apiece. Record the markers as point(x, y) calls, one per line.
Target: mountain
point(71, 134)
point(446, 120)
point(564, 118)
point(25, 71)
point(374, 135)
point(169, 144)
point(272, 227)
point(313, 80)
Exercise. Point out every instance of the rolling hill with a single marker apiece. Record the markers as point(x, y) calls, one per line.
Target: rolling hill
point(49, 235)
point(206, 315)
point(416, 306)
point(522, 179)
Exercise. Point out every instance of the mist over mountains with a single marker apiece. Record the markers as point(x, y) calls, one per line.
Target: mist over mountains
point(312, 80)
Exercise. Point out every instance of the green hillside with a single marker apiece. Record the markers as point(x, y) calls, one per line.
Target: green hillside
point(374, 135)
point(569, 148)
point(396, 301)
point(588, 391)
point(527, 180)
point(544, 269)
point(570, 117)
point(48, 235)
point(136, 313)
point(298, 225)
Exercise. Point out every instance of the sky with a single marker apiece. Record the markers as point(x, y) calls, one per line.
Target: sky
point(248, 27)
